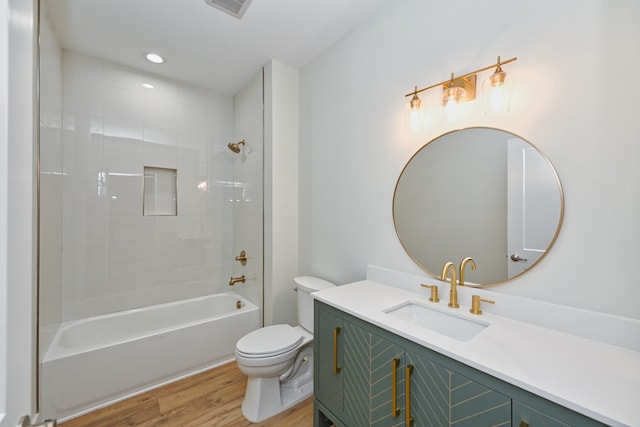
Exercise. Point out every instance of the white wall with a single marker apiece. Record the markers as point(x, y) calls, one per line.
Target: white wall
point(571, 102)
point(114, 258)
point(281, 192)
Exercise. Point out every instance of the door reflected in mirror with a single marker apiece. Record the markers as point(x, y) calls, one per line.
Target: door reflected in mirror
point(479, 192)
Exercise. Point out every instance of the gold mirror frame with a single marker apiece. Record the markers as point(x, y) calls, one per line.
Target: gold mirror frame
point(461, 217)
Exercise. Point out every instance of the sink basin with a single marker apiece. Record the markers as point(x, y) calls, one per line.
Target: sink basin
point(437, 320)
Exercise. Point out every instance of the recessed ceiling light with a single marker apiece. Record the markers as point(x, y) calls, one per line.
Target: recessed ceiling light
point(155, 58)
point(147, 85)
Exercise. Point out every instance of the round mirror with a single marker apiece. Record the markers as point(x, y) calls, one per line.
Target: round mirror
point(479, 192)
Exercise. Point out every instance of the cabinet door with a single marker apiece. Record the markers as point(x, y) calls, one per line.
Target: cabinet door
point(523, 416)
point(329, 337)
point(374, 379)
point(441, 397)
point(547, 414)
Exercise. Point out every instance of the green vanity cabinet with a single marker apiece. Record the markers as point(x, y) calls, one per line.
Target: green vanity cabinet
point(355, 376)
point(532, 411)
point(373, 382)
point(328, 373)
point(442, 397)
point(361, 376)
point(367, 376)
point(523, 416)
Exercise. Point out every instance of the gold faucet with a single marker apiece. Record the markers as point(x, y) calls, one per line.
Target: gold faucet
point(453, 293)
point(463, 264)
point(445, 268)
point(235, 280)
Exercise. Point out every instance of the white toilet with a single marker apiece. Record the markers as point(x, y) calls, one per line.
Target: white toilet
point(278, 359)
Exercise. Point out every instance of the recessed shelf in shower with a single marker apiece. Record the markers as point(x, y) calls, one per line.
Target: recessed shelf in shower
point(160, 191)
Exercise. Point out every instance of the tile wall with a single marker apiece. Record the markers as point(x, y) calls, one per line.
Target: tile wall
point(113, 257)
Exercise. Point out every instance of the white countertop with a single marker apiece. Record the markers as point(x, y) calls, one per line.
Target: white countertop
point(599, 380)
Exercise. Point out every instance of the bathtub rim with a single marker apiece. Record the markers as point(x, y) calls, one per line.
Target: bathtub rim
point(56, 352)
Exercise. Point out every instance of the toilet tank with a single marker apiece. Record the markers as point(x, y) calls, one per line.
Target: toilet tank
point(305, 285)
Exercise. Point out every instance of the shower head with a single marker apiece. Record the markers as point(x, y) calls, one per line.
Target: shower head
point(235, 146)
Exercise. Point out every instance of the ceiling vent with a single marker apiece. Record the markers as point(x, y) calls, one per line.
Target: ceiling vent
point(235, 8)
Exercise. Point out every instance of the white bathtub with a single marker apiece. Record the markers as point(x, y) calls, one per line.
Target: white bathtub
point(100, 360)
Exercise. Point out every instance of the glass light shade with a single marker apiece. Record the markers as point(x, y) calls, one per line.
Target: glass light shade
point(451, 103)
point(497, 91)
point(415, 113)
point(415, 102)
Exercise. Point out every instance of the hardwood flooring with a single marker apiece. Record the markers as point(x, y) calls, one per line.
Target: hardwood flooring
point(210, 399)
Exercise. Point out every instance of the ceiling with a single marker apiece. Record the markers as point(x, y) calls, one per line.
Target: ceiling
point(202, 44)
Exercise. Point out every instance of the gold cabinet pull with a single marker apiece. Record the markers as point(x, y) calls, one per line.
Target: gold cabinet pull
point(336, 368)
point(524, 424)
point(408, 420)
point(394, 387)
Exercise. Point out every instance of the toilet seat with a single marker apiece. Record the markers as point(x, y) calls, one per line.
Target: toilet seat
point(269, 341)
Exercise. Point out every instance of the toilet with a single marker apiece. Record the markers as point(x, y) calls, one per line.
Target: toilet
point(278, 359)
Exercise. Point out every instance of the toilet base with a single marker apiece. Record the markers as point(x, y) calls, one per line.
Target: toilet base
point(266, 397)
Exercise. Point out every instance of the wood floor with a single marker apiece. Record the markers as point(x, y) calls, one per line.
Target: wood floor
point(212, 398)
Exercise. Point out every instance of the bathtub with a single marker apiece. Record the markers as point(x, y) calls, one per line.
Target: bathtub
point(97, 361)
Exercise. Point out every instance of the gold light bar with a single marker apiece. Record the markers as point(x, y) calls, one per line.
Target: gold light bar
point(461, 81)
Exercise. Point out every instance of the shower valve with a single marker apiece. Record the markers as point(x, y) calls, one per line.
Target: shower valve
point(242, 257)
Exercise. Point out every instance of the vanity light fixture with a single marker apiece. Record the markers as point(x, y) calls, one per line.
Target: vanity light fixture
point(457, 90)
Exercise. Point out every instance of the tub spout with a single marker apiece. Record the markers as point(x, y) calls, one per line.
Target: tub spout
point(234, 280)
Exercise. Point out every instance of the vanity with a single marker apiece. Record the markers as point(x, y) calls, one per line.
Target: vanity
point(388, 352)
point(380, 362)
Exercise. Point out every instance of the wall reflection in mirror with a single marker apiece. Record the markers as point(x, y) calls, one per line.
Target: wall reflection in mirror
point(479, 192)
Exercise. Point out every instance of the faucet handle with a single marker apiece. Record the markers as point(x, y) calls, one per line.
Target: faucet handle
point(475, 304)
point(434, 292)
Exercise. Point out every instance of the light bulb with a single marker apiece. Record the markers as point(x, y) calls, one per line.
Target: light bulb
point(497, 92)
point(451, 103)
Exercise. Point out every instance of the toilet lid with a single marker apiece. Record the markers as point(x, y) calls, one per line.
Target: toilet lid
point(269, 341)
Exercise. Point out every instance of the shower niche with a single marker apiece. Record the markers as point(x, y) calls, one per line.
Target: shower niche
point(160, 192)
